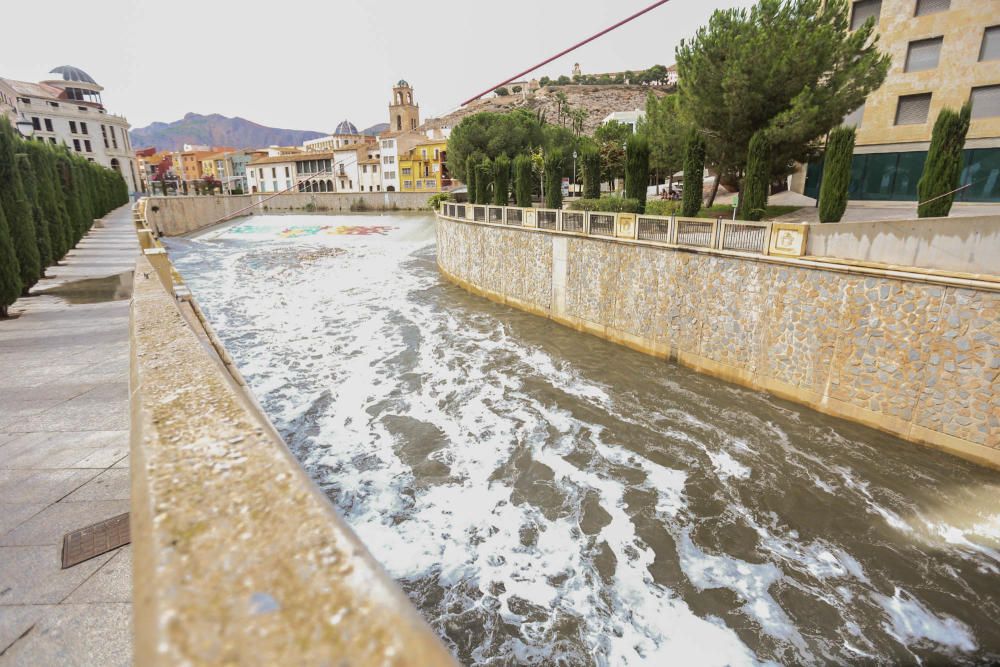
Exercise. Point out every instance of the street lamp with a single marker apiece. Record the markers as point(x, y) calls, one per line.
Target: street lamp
point(574, 173)
point(25, 127)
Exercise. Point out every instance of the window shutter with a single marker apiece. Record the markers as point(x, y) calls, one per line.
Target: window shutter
point(913, 109)
point(923, 55)
point(932, 6)
point(991, 44)
point(986, 102)
point(863, 9)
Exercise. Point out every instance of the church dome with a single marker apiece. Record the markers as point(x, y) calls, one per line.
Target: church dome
point(70, 73)
point(346, 127)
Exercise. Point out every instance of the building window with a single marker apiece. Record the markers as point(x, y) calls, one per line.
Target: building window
point(925, 7)
point(913, 109)
point(72, 126)
point(104, 133)
point(437, 154)
point(407, 184)
point(114, 137)
point(83, 128)
point(54, 104)
point(864, 10)
point(423, 153)
point(407, 171)
point(274, 172)
point(76, 145)
point(35, 123)
point(274, 186)
point(287, 172)
point(923, 55)
point(990, 49)
point(854, 118)
point(48, 125)
point(86, 145)
point(52, 140)
point(986, 102)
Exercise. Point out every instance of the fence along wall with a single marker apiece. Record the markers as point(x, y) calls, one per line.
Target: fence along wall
point(915, 355)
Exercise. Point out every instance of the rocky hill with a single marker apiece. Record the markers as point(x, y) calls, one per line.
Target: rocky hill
point(216, 130)
point(596, 100)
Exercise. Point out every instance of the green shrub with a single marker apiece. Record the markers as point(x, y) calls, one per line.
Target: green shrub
point(501, 180)
point(10, 272)
point(606, 205)
point(753, 199)
point(836, 174)
point(663, 207)
point(470, 178)
point(637, 168)
point(484, 179)
point(522, 180)
point(553, 179)
point(694, 168)
point(943, 167)
point(20, 217)
point(434, 202)
point(591, 174)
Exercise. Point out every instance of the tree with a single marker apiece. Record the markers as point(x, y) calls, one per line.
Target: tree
point(484, 178)
point(666, 132)
point(10, 271)
point(489, 134)
point(501, 92)
point(591, 174)
point(553, 179)
point(694, 167)
point(15, 203)
point(753, 198)
point(470, 178)
point(836, 174)
point(501, 180)
point(637, 169)
point(522, 180)
point(611, 138)
point(943, 167)
point(792, 67)
point(39, 223)
point(53, 209)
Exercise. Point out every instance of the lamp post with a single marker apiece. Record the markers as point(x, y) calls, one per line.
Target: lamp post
point(24, 127)
point(574, 174)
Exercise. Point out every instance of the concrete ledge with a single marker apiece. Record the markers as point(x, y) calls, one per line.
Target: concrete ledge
point(239, 558)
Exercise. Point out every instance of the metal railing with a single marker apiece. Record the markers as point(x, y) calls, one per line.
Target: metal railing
point(744, 236)
point(602, 224)
point(547, 218)
point(460, 211)
point(496, 214)
point(700, 233)
point(479, 213)
point(653, 229)
point(572, 221)
point(515, 216)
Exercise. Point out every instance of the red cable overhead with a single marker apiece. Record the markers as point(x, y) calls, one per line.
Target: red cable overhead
point(565, 51)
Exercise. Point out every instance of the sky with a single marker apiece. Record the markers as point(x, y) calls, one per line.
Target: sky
point(309, 65)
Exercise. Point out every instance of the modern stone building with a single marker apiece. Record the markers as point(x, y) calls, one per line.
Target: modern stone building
point(68, 109)
point(944, 53)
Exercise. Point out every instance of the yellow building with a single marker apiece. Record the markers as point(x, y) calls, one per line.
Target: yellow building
point(944, 53)
point(422, 168)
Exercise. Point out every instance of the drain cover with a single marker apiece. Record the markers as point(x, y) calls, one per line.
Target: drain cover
point(94, 540)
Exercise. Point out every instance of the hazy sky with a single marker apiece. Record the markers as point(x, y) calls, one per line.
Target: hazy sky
point(309, 65)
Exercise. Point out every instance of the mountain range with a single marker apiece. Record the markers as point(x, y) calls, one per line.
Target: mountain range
point(217, 130)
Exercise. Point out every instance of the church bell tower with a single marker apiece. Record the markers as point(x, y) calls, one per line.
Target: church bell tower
point(404, 113)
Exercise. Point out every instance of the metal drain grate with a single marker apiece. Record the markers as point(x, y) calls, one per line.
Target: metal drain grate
point(94, 540)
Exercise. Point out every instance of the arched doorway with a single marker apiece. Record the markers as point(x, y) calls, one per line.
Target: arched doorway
point(391, 188)
point(115, 165)
point(329, 186)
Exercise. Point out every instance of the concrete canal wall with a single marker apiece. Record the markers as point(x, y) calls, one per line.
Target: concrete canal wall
point(913, 353)
point(173, 216)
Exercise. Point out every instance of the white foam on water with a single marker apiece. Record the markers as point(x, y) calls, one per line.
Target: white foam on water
point(911, 622)
point(726, 466)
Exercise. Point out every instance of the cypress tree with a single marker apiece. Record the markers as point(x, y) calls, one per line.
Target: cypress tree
point(10, 271)
point(753, 199)
point(470, 178)
point(19, 214)
point(591, 174)
point(836, 174)
point(694, 167)
point(501, 180)
point(553, 179)
point(637, 169)
point(522, 180)
point(943, 167)
point(61, 230)
point(71, 200)
point(484, 177)
point(30, 182)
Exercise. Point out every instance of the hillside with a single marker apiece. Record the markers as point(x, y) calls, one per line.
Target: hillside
point(597, 101)
point(216, 130)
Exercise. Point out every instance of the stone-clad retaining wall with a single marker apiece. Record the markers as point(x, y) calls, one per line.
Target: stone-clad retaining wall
point(917, 356)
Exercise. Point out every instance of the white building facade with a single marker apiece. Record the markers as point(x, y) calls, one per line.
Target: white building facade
point(69, 111)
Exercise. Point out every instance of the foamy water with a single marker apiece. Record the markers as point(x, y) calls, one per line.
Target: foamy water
point(545, 497)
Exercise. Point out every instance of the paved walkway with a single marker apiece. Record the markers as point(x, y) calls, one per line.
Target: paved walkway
point(64, 457)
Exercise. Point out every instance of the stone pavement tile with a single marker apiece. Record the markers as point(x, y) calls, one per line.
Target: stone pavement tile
point(123, 463)
point(7, 437)
point(16, 621)
point(49, 525)
point(15, 413)
point(34, 575)
point(58, 390)
point(32, 376)
point(25, 444)
point(77, 635)
point(111, 583)
point(104, 457)
point(77, 415)
point(13, 515)
point(112, 484)
point(26, 487)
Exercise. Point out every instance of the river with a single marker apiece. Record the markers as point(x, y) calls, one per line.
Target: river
point(545, 497)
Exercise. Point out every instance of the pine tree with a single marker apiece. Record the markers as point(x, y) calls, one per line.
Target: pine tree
point(522, 180)
point(470, 178)
point(637, 169)
point(591, 174)
point(18, 209)
point(694, 168)
point(836, 174)
point(943, 167)
point(553, 179)
point(753, 199)
point(10, 271)
point(28, 178)
point(484, 178)
point(501, 180)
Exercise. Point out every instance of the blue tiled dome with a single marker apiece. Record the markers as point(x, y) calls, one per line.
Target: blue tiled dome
point(346, 127)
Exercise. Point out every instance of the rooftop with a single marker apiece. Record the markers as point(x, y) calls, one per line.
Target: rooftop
point(70, 73)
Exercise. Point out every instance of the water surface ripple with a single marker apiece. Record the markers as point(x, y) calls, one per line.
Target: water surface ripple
point(545, 497)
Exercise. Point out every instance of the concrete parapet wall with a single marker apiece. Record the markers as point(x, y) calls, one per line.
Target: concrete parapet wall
point(173, 216)
point(914, 354)
point(238, 557)
point(963, 245)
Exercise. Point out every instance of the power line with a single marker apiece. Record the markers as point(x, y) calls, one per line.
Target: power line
point(565, 51)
